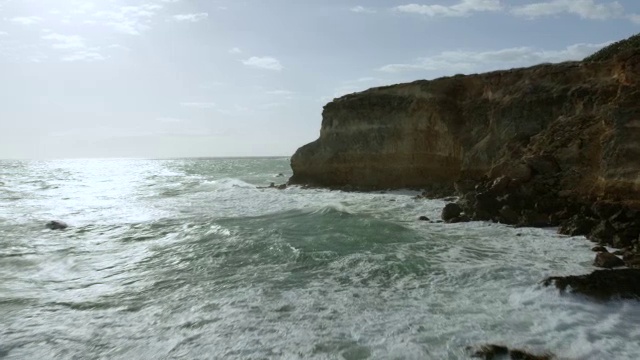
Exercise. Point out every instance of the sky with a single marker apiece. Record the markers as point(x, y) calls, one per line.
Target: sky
point(215, 78)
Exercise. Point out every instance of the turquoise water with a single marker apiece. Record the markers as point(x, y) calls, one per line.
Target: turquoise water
point(188, 259)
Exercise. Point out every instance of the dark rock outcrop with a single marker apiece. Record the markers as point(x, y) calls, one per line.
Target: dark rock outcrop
point(56, 225)
point(601, 284)
point(451, 211)
point(607, 260)
point(493, 351)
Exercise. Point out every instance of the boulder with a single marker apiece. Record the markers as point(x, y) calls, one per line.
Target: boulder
point(599, 249)
point(601, 284)
point(533, 219)
point(451, 211)
point(493, 351)
point(486, 202)
point(464, 186)
point(424, 218)
point(56, 225)
point(607, 260)
point(632, 260)
point(508, 215)
point(577, 225)
point(602, 233)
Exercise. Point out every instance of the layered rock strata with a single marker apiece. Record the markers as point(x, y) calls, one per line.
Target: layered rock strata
point(577, 124)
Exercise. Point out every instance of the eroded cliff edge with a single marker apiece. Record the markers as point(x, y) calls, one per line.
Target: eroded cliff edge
point(578, 120)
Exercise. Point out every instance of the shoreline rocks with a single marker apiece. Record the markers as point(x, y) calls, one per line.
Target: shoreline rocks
point(601, 284)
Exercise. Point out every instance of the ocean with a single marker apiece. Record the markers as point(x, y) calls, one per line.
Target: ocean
point(189, 259)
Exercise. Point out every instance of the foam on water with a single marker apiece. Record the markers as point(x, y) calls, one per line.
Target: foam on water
point(188, 259)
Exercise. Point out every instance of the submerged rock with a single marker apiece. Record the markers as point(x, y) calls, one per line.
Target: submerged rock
point(56, 225)
point(601, 284)
point(492, 351)
point(424, 218)
point(599, 249)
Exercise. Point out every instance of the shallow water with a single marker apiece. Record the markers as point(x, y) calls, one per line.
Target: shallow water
point(188, 259)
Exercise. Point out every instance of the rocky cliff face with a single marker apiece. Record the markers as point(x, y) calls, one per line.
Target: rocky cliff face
point(577, 122)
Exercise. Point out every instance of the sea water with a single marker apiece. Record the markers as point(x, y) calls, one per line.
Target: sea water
point(190, 259)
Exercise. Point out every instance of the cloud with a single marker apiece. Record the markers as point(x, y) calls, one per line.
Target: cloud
point(279, 92)
point(169, 120)
point(26, 20)
point(75, 46)
point(65, 41)
point(635, 18)
point(463, 8)
point(266, 62)
point(84, 55)
point(480, 61)
point(4, 33)
point(199, 105)
point(190, 17)
point(235, 50)
point(586, 9)
point(362, 9)
point(132, 20)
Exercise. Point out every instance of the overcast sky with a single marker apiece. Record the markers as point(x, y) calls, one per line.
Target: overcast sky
point(174, 78)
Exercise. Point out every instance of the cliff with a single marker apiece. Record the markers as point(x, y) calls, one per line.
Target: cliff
point(578, 121)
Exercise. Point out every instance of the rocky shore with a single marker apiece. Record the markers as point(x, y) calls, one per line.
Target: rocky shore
point(553, 145)
point(550, 145)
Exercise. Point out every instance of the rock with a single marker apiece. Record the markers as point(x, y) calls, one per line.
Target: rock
point(424, 218)
point(281, 187)
point(604, 210)
point(459, 219)
point(492, 351)
point(567, 126)
point(632, 261)
point(601, 284)
point(56, 225)
point(464, 186)
point(489, 351)
point(500, 184)
point(508, 215)
point(577, 225)
point(486, 202)
point(533, 219)
point(280, 175)
point(607, 260)
point(626, 235)
point(599, 249)
point(450, 211)
point(602, 233)
point(543, 164)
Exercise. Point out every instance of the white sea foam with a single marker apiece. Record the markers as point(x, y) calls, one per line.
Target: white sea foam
point(188, 258)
